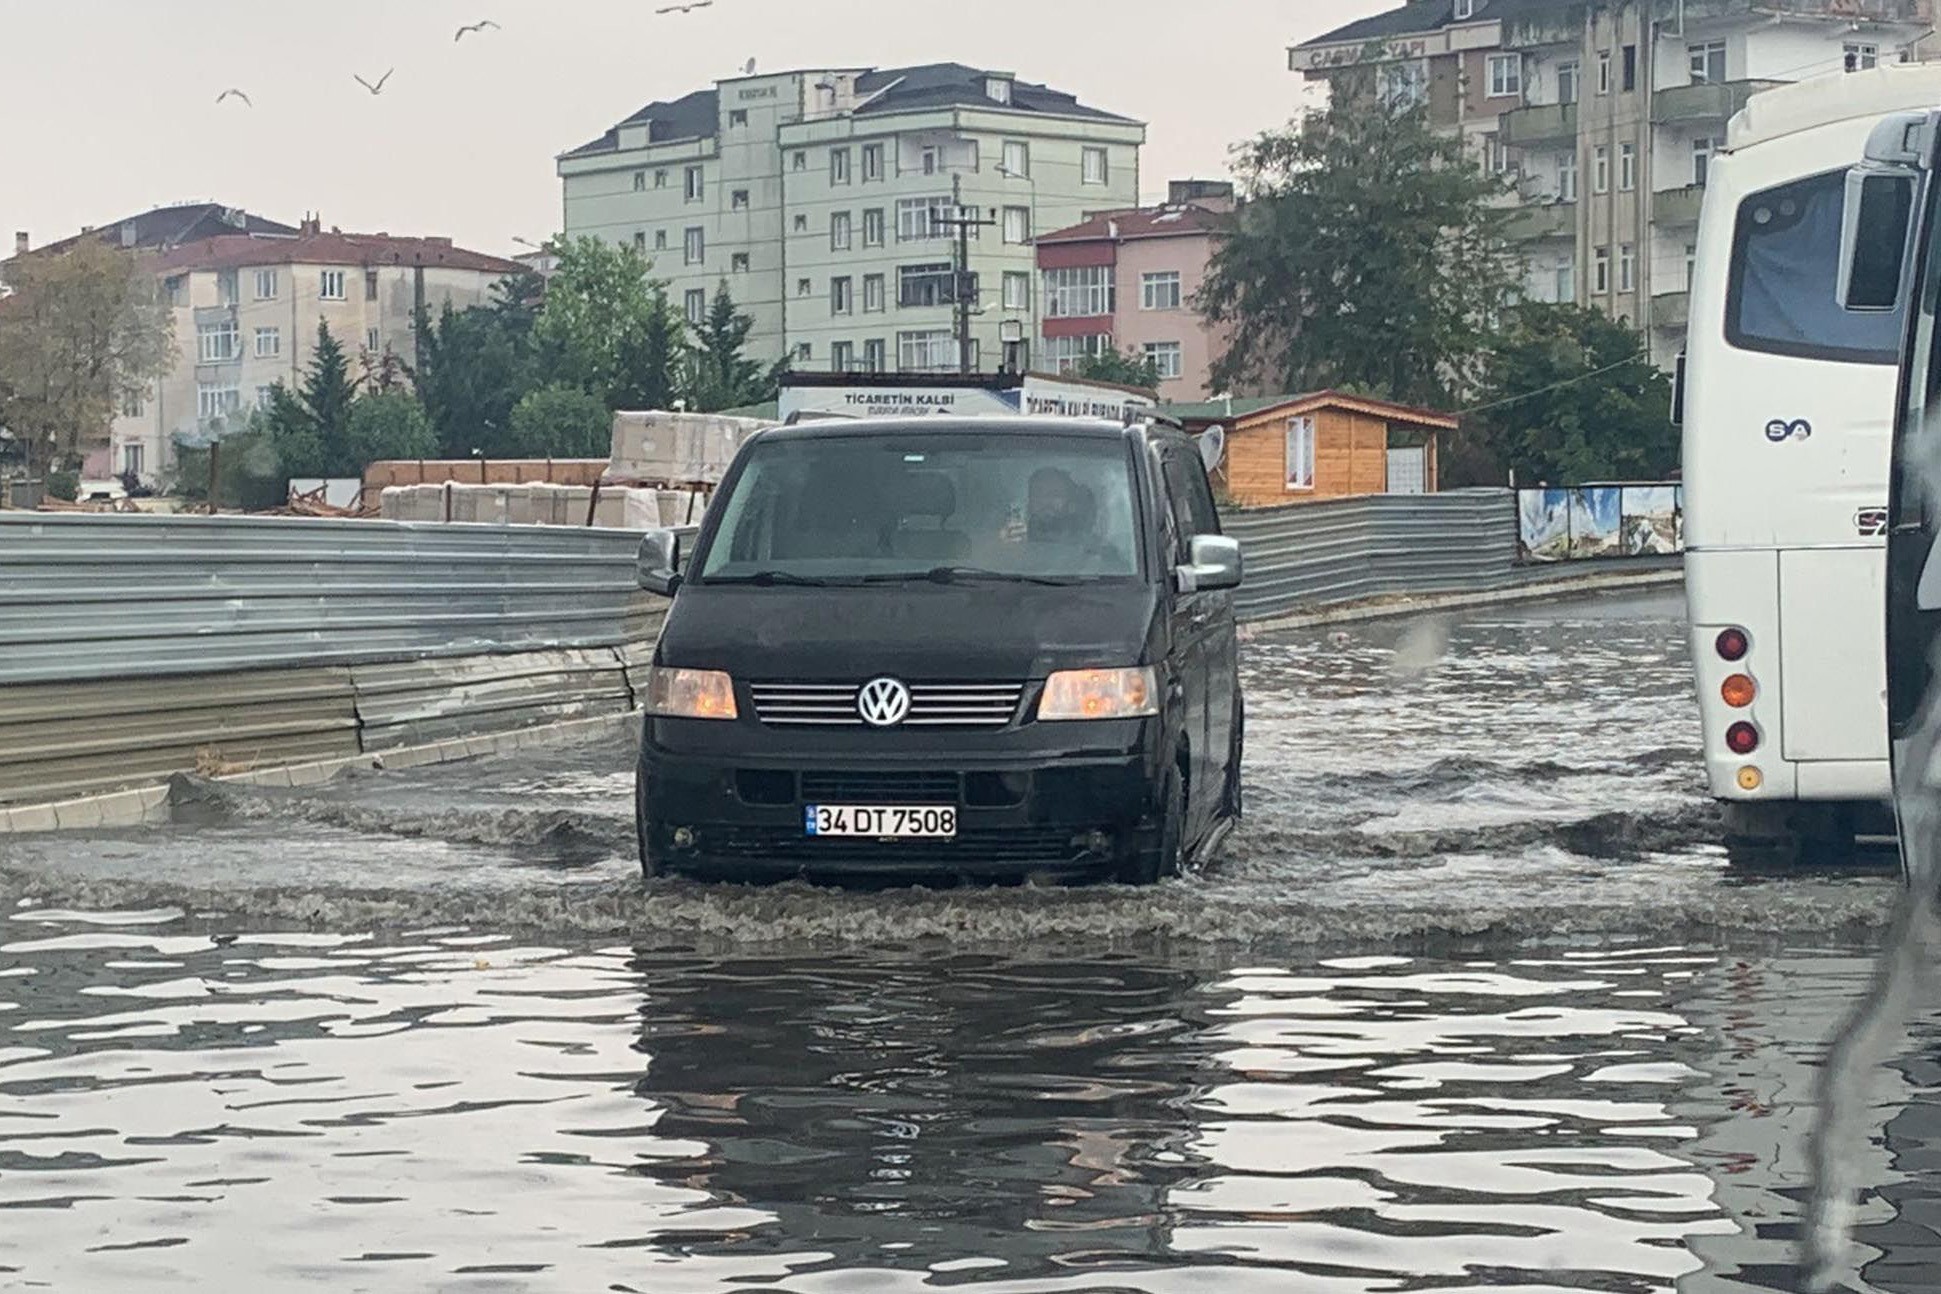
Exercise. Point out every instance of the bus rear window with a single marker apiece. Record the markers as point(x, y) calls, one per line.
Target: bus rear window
point(1783, 297)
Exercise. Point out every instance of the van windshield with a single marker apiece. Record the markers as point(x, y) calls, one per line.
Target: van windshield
point(947, 506)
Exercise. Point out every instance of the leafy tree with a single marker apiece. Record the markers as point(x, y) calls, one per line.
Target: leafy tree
point(719, 375)
point(560, 421)
point(387, 426)
point(64, 485)
point(1122, 367)
point(609, 329)
point(1575, 398)
point(1368, 253)
point(476, 364)
point(310, 429)
point(82, 332)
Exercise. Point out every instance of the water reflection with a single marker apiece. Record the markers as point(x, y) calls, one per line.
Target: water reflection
point(451, 1110)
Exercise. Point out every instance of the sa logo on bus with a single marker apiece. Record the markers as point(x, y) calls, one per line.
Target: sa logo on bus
point(1780, 430)
point(1870, 522)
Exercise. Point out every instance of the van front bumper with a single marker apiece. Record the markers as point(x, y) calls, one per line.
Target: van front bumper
point(1065, 799)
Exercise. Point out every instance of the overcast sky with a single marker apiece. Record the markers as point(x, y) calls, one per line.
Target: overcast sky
point(107, 107)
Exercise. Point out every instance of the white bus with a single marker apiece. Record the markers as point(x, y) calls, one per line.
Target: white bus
point(1787, 403)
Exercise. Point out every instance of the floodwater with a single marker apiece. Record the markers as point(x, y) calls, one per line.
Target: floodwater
point(1473, 1003)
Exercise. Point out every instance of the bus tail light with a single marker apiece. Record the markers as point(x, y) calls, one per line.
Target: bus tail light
point(1732, 644)
point(1738, 691)
point(1751, 779)
point(1742, 738)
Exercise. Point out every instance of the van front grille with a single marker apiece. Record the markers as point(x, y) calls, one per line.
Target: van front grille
point(932, 705)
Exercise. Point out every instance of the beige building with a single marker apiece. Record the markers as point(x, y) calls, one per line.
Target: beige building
point(1604, 114)
point(246, 313)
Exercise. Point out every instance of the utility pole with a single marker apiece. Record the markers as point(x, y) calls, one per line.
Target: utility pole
point(961, 277)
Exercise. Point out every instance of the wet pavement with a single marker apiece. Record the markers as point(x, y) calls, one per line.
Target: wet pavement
point(1474, 1001)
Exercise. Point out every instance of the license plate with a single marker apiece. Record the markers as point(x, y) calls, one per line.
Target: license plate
point(881, 822)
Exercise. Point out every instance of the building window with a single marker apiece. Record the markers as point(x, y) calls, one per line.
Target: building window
point(1707, 60)
point(872, 163)
point(1702, 148)
point(226, 292)
point(1159, 291)
point(921, 219)
point(172, 288)
point(1017, 290)
point(1627, 268)
point(218, 343)
point(875, 294)
point(842, 356)
point(1567, 176)
point(1601, 169)
point(801, 222)
point(331, 286)
point(738, 200)
point(1092, 166)
point(875, 352)
point(696, 302)
point(1505, 75)
point(1860, 57)
point(838, 166)
point(1496, 157)
point(842, 296)
point(801, 160)
point(919, 286)
point(131, 460)
point(1630, 68)
point(1603, 71)
point(1017, 224)
point(269, 343)
point(931, 158)
point(1567, 279)
point(1063, 354)
point(934, 351)
point(694, 246)
point(841, 231)
point(371, 341)
point(132, 405)
point(1017, 158)
point(997, 89)
point(1627, 167)
point(805, 287)
point(1300, 453)
point(873, 227)
point(640, 241)
point(738, 263)
point(1691, 264)
point(212, 401)
point(660, 179)
point(1569, 75)
point(265, 397)
point(1465, 10)
point(266, 285)
point(737, 116)
point(1165, 356)
point(1406, 85)
point(695, 188)
point(805, 352)
point(370, 285)
point(640, 181)
point(1601, 271)
point(660, 240)
point(1082, 293)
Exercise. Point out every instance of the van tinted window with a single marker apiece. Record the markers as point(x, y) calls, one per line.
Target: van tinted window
point(1783, 296)
point(855, 507)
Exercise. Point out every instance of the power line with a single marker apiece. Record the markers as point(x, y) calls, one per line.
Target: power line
point(1632, 358)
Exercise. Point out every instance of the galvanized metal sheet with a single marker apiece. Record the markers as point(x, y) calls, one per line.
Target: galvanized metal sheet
point(410, 703)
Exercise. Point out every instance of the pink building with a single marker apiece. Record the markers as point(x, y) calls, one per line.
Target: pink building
point(1128, 279)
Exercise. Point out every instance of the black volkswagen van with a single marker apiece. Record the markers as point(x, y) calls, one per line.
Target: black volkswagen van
point(940, 647)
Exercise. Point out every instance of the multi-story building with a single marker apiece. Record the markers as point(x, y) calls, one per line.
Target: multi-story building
point(1605, 114)
point(246, 312)
point(827, 199)
point(171, 226)
point(1129, 280)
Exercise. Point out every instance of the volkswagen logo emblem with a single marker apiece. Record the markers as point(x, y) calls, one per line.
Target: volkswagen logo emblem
point(883, 703)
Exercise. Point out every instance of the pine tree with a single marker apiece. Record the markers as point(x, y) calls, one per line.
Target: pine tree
point(720, 376)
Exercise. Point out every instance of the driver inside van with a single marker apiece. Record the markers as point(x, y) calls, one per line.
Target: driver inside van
point(1058, 510)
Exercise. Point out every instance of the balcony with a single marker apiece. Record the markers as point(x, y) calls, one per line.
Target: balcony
point(1670, 309)
point(1677, 208)
point(1535, 222)
point(1704, 101)
point(1546, 123)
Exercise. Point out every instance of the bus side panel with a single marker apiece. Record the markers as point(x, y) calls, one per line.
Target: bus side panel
point(1739, 589)
point(1834, 671)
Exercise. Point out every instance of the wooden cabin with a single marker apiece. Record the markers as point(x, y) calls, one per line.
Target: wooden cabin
point(1289, 449)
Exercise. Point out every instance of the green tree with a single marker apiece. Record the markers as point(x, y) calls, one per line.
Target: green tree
point(561, 422)
point(719, 375)
point(310, 428)
point(82, 332)
point(1114, 365)
point(252, 472)
point(1568, 395)
point(389, 425)
point(1368, 253)
point(476, 364)
point(607, 328)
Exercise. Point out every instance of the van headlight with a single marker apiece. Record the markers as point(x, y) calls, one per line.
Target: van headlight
point(1099, 694)
point(690, 694)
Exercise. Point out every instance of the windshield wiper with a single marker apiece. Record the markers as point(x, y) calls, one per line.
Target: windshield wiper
point(966, 574)
point(767, 578)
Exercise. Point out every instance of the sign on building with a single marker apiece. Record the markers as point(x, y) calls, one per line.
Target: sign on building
point(864, 395)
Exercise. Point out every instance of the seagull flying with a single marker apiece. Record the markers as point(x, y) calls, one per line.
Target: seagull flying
point(235, 94)
point(483, 24)
point(374, 89)
point(690, 7)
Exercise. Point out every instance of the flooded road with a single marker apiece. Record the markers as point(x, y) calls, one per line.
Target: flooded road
point(1474, 1002)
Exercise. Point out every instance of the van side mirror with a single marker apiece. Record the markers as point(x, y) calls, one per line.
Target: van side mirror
point(1215, 565)
point(657, 565)
point(1873, 236)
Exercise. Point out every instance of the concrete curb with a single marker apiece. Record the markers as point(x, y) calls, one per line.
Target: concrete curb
point(146, 805)
point(1391, 608)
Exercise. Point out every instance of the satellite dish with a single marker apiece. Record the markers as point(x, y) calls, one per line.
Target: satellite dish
point(1213, 446)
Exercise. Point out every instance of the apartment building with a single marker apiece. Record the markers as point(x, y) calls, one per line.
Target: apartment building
point(246, 312)
point(1604, 114)
point(827, 201)
point(1128, 280)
